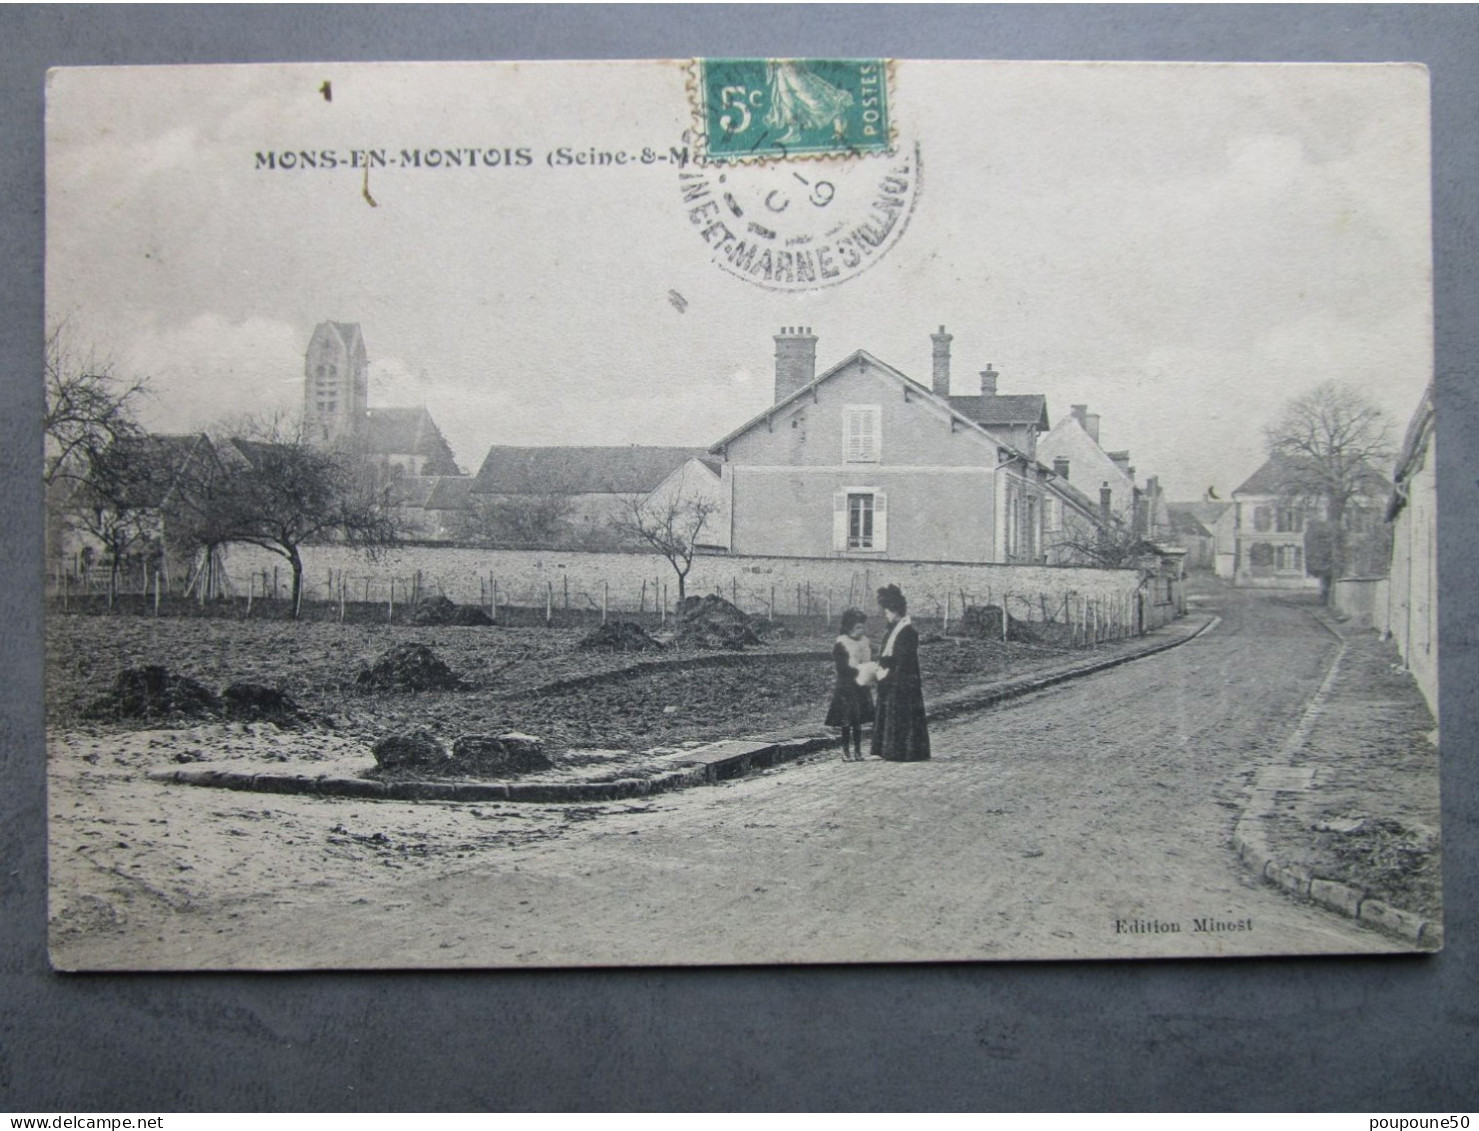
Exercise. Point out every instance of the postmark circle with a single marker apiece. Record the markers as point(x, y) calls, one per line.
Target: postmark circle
point(797, 224)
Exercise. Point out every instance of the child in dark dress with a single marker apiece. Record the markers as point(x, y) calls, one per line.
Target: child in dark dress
point(852, 701)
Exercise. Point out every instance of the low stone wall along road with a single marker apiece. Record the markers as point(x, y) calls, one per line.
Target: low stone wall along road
point(1092, 819)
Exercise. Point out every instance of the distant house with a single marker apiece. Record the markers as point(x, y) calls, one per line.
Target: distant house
point(569, 496)
point(148, 508)
point(1284, 543)
point(1412, 511)
point(1200, 529)
point(698, 481)
point(431, 507)
point(1071, 448)
point(1269, 539)
point(863, 461)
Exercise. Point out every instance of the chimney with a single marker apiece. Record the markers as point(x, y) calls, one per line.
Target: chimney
point(1105, 495)
point(1091, 425)
point(795, 360)
point(941, 383)
point(1060, 467)
point(1121, 460)
point(988, 381)
point(1078, 412)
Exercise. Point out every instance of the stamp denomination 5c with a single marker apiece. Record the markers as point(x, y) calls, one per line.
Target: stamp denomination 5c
point(767, 109)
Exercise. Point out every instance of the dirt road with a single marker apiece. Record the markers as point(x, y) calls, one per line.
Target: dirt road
point(1091, 820)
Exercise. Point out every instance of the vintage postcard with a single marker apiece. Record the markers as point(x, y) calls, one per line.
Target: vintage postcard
point(732, 511)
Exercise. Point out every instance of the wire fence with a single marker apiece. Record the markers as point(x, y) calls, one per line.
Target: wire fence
point(1069, 619)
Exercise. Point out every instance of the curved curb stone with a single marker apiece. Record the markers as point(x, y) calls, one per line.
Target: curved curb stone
point(718, 761)
point(1344, 899)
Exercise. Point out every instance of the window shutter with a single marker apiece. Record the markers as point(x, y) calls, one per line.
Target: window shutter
point(839, 520)
point(860, 428)
point(880, 521)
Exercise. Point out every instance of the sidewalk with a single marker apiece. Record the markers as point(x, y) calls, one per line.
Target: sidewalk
point(671, 769)
point(1348, 817)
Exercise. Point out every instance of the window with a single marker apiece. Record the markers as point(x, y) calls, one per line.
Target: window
point(1290, 558)
point(860, 433)
point(1263, 519)
point(1052, 514)
point(1011, 523)
point(1290, 520)
point(859, 520)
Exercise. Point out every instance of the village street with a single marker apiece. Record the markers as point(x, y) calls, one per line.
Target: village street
point(1072, 822)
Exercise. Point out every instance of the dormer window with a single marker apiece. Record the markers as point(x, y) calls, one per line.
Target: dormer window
point(861, 427)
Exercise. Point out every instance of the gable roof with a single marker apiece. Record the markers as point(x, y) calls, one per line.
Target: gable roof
point(1205, 513)
point(450, 493)
point(157, 462)
point(866, 360)
point(250, 452)
point(408, 432)
point(1186, 519)
point(629, 470)
point(1004, 410)
point(1264, 481)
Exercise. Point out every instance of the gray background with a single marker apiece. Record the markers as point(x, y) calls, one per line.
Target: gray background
point(1325, 1034)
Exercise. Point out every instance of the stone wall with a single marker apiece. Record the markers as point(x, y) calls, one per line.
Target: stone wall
point(623, 581)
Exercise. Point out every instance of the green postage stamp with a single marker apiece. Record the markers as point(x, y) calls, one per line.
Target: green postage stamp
point(775, 108)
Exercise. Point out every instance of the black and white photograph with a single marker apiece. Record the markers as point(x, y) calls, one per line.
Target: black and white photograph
point(738, 511)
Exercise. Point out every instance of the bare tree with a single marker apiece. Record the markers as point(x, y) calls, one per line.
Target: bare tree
point(289, 493)
point(1329, 448)
point(671, 525)
point(1116, 545)
point(88, 408)
point(112, 503)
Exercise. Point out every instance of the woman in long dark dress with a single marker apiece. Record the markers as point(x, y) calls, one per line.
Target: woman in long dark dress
point(852, 702)
point(899, 730)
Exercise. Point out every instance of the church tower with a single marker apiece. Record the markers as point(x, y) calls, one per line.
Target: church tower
point(336, 384)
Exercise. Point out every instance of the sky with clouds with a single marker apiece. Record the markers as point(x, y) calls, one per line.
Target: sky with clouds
point(1182, 247)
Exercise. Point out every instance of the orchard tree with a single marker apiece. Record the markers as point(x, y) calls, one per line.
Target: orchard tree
point(670, 524)
point(89, 409)
point(289, 493)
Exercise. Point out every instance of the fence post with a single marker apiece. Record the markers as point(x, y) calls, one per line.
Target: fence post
point(251, 589)
point(390, 603)
point(493, 616)
point(734, 592)
point(642, 600)
point(945, 627)
point(341, 596)
point(770, 613)
point(565, 581)
point(662, 616)
point(829, 604)
point(605, 598)
point(156, 592)
point(1004, 616)
point(549, 603)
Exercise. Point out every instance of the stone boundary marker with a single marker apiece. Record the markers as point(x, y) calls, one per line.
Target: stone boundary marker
point(1252, 847)
point(715, 762)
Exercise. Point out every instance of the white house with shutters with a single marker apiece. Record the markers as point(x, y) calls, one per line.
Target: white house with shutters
point(863, 461)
